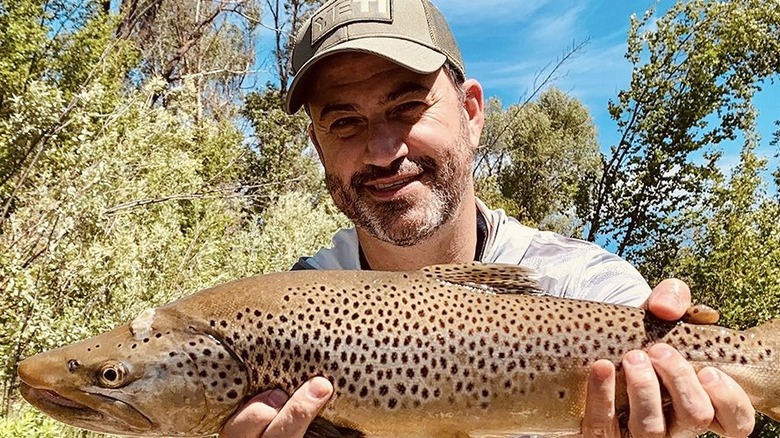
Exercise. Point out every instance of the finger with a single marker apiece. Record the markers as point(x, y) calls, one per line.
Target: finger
point(669, 300)
point(600, 419)
point(300, 410)
point(255, 416)
point(734, 415)
point(646, 417)
point(692, 409)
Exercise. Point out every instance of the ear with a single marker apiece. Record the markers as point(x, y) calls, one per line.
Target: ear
point(315, 142)
point(474, 105)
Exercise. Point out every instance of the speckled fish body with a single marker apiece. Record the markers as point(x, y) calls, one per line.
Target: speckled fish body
point(450, 350)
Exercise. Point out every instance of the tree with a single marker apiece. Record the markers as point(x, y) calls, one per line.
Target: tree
point(210, 42)
point(732, 259)
point(696, 71)
point(52, 55)
point(287, 16)
point(279, 158)
point(545, 163)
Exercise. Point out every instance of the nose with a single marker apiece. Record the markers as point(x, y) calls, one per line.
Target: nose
point(384, 145)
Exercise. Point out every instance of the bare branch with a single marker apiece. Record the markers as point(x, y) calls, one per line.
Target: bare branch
point(221, 193)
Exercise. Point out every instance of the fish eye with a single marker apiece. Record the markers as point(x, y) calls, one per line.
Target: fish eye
point(112, 374)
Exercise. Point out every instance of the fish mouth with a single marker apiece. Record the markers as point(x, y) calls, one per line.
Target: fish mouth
point(112, 416)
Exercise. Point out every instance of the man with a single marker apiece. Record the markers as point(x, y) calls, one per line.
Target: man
point(396, 124)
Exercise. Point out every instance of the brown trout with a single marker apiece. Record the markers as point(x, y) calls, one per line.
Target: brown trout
point(449, 350)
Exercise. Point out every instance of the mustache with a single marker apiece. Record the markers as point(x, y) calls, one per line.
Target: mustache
point(401, 166)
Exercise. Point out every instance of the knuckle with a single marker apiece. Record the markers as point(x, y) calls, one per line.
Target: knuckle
point(260, 414)
point(643, 380)
point(298, 411)
point(744, 424)
point(649, 428)
point(745, 429)
point(596, 432)
point(695, 414)
point(700, 419)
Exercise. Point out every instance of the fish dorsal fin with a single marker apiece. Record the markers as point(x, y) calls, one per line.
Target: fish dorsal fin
point(489, 277)
point(769, 329)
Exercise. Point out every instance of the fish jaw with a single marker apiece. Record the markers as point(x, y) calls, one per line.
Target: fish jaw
point(93, 411)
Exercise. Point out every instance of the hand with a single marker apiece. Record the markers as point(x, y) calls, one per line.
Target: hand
point(270, 414)
point(707, 400)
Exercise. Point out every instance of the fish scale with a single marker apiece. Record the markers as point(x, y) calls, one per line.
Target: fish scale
point(447, 350)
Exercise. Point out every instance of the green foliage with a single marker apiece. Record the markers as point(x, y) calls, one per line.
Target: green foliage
point(696, 71)
point(30, 423)
point(211, 44)
point(118, 198)
point(22, 41)
point(540, 161)
point(731, 260)
point(280, 159)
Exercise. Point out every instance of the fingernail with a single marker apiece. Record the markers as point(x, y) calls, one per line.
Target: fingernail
point(708, 376)
point(670, 300)
point(317, 390)
point(636, 358)
point(277, 398)
point(662, 351)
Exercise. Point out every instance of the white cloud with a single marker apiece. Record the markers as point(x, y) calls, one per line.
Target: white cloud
point(557, 26)
point(480, 11)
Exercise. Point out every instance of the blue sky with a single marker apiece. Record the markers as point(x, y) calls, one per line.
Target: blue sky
point(506, 43)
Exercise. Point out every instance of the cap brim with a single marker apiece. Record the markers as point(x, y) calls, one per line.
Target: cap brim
point(409, 54)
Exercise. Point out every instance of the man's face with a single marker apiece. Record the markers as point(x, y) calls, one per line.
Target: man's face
point(397, 146)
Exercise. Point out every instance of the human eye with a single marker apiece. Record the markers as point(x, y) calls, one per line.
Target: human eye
point(414, 105)
point(346, 126)
point(409, 110)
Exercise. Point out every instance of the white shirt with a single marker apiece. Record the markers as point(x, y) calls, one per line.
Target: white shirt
point(565, 267)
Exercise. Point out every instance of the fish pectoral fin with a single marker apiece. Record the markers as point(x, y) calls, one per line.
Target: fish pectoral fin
point(496, 278)
point(322, 428)
point(701, 314)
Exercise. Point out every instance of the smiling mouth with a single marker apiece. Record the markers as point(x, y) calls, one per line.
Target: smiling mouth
point(391, 186)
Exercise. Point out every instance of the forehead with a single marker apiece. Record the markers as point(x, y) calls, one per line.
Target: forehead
point(341, 75)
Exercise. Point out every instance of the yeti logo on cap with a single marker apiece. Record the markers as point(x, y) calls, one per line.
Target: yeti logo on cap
point(341, 12)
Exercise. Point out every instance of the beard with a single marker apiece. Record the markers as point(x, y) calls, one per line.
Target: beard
point(409, 220)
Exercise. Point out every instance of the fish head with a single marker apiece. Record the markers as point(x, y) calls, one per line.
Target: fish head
point(163, 377)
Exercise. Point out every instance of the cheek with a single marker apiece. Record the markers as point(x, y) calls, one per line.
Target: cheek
point(431, 139)
point(341, 160)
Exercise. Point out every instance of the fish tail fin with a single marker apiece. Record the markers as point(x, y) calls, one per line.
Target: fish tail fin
point(768, 383)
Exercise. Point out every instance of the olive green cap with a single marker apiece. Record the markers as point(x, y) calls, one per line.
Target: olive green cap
point(411, 33)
